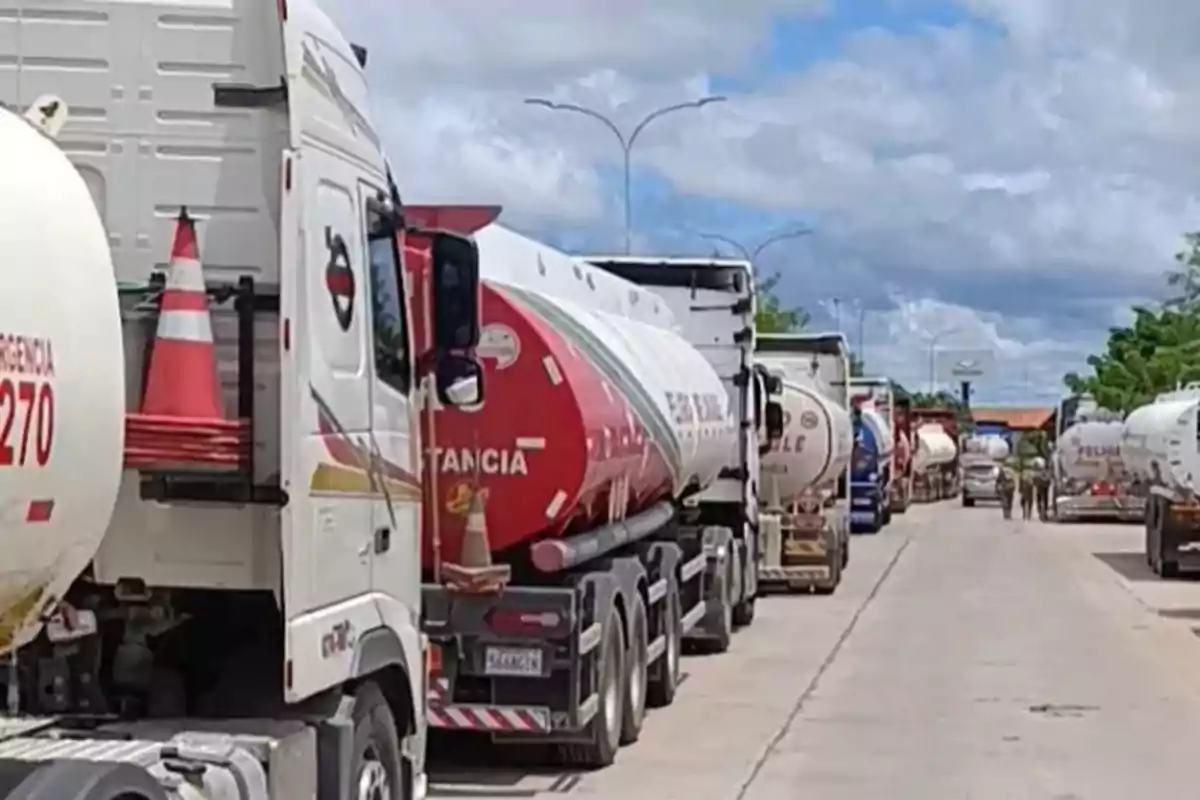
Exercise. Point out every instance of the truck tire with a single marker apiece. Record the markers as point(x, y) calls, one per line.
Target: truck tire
point(377, 771)
point(637, 672)
point(669, 670)
point(829, 586)
point(722, 636)
point(80, 780)
point(968, 502)
point(605, 727)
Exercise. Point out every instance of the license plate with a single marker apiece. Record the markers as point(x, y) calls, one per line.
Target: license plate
point(517, 662)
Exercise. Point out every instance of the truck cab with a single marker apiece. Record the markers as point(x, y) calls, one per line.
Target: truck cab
point(282, 588)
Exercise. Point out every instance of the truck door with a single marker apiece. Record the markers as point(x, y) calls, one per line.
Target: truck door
point(325, 421)
point(396, 512)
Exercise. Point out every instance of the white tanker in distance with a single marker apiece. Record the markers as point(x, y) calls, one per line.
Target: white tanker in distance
point(1091, 478)
point(804, 524)
point(934, 447)
point(1159, 449)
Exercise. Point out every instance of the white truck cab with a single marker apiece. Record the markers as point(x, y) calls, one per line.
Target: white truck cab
point(271, 611)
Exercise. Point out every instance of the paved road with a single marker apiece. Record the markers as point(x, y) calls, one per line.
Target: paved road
point(963, 657)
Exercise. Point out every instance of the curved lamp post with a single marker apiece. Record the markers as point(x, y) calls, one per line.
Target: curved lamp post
point(627, 142)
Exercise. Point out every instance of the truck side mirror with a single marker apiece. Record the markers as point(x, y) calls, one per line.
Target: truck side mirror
point(774, 421)
point(459, 381)
point(455, 279)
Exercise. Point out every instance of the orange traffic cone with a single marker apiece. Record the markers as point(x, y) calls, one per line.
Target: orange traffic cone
point(181, 424)
point(476, 574)
point(181, 379)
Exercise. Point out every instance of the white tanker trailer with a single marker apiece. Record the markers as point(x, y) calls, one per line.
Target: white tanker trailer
point(934, 448)
point(1090, 474)
point(1159, 449)
point(804, 522)
point(817, 442)
point(989, 446)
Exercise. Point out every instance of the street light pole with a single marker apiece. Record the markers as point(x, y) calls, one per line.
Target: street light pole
point(933, 340)
point(627, 142)
point(749, 254)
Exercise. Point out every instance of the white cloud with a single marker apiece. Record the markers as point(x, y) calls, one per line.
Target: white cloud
point(1056, 149)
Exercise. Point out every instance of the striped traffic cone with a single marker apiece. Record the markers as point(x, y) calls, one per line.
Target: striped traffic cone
point(181, 381)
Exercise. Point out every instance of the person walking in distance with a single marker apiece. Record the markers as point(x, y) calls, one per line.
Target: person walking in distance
point(1041, 485)
point(1005, 488)
point(1025, 486)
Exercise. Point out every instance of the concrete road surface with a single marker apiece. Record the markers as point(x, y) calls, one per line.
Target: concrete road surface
point(963, 657)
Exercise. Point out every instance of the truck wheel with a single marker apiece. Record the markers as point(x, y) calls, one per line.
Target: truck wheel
point(605, 728)
point(378, 769)
point(723, 635)
point(968, 502)
point(835, 577)
point(661, 689)
point(80, 780)
point(636, 658)
point(743, 612)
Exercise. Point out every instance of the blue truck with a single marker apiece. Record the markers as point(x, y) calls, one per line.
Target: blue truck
point(871, 468)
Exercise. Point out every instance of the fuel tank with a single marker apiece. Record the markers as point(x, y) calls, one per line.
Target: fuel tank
point(1158, 440)
point(989, 444)
point(934, 447)
point(595, 407)
point(873, 419)
point(1091, 451)
point(817, 443)
point(62, 377)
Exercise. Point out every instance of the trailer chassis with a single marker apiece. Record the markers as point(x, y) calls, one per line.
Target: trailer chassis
point(574, 660)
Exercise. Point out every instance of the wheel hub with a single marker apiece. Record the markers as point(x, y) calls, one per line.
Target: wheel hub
point(373, 783)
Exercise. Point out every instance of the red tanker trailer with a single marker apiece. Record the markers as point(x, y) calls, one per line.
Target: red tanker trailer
point(901, 489)
point(557, 569)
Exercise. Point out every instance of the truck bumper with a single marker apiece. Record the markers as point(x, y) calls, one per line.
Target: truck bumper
point(1077, 507)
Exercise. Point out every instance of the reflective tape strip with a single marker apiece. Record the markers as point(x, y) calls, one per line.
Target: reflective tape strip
point(186, 326)
point(185, 275)
point(552, 370)
point(556, 504)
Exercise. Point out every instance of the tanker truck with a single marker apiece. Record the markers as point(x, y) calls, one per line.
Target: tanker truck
point(714, 303)
point(902, 481)
point(1158, 447)
point(940, 481)
point(874, 446)
point(804, 524)
point(209, 585)
point(933, 452)
point(981, 461)
point(1090, 478)
point(579, 534)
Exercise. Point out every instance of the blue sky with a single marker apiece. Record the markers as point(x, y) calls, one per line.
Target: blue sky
point(1020, 172)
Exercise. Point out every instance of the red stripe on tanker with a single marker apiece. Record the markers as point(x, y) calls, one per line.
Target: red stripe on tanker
point(817, 442)
point(62, 377)
point(595, 407)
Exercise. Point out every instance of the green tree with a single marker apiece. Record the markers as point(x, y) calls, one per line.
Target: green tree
point(1184, 280)
point(1160, 351)
point(772, 316)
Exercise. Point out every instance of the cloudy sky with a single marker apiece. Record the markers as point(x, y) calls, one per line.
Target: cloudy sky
point(1011, 174)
